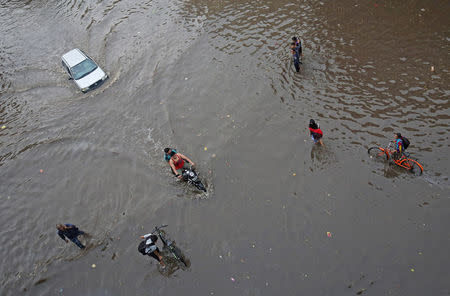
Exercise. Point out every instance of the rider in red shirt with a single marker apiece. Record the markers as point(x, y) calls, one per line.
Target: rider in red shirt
point(316, 132)
point(177, 162)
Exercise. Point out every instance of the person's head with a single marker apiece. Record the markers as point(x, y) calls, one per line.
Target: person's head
point(294, 39)
point(154, 237)
point(313, 124)
point(167, 150)
point(398, 135)
point(60, 227)
point(292, 44)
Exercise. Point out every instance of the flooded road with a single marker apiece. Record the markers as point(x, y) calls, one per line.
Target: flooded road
point(215, 80)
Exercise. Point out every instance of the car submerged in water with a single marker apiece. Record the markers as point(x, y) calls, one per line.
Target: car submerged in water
point(83, 70)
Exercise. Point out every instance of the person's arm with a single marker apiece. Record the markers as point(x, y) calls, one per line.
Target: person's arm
point(61, 235)
point(146, 235)
point(186, 158)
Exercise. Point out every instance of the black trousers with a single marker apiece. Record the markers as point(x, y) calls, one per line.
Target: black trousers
point(152, 254)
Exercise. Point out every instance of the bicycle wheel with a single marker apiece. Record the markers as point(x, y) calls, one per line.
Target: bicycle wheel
point(412, 166)
point(178, 254)
point(378, 153)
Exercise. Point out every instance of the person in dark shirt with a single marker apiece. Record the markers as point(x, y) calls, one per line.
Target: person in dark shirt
point(71, 232)
point(148, 247)
point(295, 57)
point(298, 45)
point(297, 53)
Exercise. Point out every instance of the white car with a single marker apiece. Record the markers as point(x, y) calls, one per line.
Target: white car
point(83, 70)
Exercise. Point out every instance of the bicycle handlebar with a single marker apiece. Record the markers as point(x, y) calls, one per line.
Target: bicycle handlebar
point(159, 227)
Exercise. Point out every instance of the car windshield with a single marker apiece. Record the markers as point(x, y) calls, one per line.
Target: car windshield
point(82, 69)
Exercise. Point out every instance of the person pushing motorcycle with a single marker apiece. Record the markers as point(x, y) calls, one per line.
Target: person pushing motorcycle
point(177, 162)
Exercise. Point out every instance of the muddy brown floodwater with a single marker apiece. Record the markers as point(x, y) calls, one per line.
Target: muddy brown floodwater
point(215, 80)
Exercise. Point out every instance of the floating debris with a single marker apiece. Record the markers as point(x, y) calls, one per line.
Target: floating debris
point(232, 279)
point(328, 234)
point(41, 171)
point(93, 266)
point(3, 126)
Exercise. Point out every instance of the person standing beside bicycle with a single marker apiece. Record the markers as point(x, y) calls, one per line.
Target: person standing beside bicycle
point(400, 145)
point(148, 247)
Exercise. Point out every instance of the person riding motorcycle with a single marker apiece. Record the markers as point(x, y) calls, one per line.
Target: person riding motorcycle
point(177, 162)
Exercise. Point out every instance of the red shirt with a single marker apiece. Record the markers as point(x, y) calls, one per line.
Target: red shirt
point(179, 164)
point(316, 133)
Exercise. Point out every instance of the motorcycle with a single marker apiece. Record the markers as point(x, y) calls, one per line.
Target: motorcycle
point(191, 177)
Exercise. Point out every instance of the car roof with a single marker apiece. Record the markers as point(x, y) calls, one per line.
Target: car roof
point(74, 57)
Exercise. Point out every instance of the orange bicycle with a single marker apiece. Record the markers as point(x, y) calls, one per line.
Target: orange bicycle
point(404, 161)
